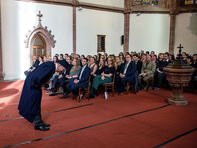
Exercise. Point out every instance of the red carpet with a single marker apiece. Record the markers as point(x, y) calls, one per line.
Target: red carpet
point(142, 120)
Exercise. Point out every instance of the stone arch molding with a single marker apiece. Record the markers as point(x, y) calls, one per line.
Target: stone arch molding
point(44, 32)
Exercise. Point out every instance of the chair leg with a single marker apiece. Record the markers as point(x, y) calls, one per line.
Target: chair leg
point(153, 84)
point(113, 90)
point(127, 87)
point(147, 85)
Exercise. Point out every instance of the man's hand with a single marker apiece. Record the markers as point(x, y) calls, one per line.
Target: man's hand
point(122, 76)
point(157, 68)
point(75, 81)
point(59, 76)
point(29, 70)
point(144, 74)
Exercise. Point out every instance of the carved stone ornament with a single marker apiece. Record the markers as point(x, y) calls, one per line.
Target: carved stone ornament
point(42, 31)
point(174, 12)
point(75, 3)
point(127, 10)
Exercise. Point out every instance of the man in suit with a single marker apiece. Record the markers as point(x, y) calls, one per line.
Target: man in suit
point(81, 81)
point(35, 64)
point(127, 73)
point(138, 63)
point(148, 69)
point(159, 73)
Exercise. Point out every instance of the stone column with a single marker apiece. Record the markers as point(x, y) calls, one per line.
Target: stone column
point(127, 11)
point(1, 60)
point(75, 4)
point(173, 14)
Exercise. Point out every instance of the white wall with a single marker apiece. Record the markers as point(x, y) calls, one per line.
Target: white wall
point(17, 18)
point(186, 32)
point(114, 3)
point(91, 23)
point(149, 32)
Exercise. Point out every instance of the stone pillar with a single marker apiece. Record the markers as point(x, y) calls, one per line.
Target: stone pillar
point(1, 60)
point(127, 11)
point(75, 4)
point(173, 14)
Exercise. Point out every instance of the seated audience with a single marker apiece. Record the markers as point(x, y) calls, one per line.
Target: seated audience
point(184, 56)
point(118, 65)
point(93, 67)
point(160, 59)
point(171, 57)
point(143, 58)
point(160, 73)
point(61, 56)
point(44, 59)
point(81, 81)
point(148, 69)
point(63, 66)
point(138, 63)
point(72, 73)
point(40, 60)
point(127, 74)
point(194, 64)
point(35, 64)
point(105, 77)
point(154, 58)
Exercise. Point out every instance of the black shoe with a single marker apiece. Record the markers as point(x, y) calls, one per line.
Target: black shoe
point(53, 94)
point(91, 96)
point(46, 125)
point(64, 96)
point(42, 128)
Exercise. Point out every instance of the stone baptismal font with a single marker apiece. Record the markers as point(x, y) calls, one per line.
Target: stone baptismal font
point(178, 75)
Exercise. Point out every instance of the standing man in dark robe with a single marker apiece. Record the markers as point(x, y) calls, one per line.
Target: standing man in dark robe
point(30, 101)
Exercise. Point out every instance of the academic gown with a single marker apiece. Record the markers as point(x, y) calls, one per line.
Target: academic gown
point(32, 93)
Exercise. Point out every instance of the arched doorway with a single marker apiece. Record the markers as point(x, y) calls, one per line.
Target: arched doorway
point(38, 46)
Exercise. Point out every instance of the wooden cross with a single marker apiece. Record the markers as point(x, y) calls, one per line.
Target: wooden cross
point(39, 15)
point(180, 49)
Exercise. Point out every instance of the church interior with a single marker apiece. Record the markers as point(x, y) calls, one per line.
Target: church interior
point(160, 114)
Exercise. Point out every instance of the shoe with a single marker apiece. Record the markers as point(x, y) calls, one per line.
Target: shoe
point(46, 125)
point(42, 128)
point(121, 94)
point(78, 98)
point(64, 96)
point(144, 89)
point(53, 94)
point(156, 88)
point(49, 92)
point(60, 91)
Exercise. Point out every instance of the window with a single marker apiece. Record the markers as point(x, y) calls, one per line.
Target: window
point(146, 2)
point(38, 46)
point(155, 2)
point(138, 2)
point(101, 43)
point(189, 2)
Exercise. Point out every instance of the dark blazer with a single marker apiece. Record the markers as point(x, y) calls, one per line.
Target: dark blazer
point(139, 66)
point(36, 63)
point(163, 64)
point(68, 70)
point(131, 69)
point(85, 76)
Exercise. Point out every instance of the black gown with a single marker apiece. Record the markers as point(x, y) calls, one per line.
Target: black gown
point(31, 96)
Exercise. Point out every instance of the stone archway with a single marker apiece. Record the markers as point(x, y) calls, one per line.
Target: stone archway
point(42, 31)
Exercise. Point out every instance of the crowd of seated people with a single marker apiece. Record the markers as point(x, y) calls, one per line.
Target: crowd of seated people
point(73, 71)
